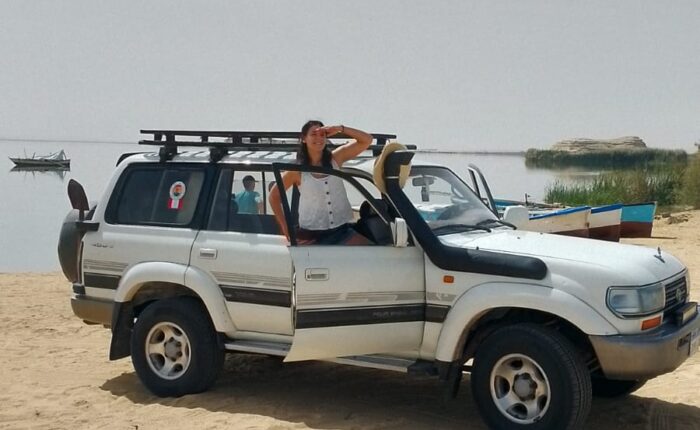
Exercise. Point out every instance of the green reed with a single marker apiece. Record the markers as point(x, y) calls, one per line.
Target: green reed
point(661, 184)
point(690, 192)
point(605, 159)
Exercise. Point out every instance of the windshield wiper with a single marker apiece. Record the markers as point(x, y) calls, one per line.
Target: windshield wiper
point(496, 221)
point(446, 229)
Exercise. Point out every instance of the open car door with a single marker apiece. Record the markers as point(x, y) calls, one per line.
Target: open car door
point(353, 300)
point(481, 188)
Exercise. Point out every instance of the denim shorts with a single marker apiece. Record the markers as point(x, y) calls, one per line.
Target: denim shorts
point(331, 236)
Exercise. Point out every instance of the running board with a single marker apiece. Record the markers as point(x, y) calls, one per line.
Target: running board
point(411, 367)
point(258, 347)
point(375, 362)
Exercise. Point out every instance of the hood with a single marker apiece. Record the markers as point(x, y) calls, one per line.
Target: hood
point(630, 264)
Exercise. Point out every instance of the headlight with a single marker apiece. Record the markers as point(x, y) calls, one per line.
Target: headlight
point(636, 301)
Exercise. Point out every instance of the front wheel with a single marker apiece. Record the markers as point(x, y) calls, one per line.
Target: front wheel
point(174, 348)
point(530, 377)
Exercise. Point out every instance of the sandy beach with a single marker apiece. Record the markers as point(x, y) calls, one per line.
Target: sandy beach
point(55, 375)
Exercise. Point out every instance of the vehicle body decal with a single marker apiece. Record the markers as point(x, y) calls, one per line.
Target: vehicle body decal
point(227, 278)
point(257, 296)
point(104, 266)
point(101, 280)
point(315, 318)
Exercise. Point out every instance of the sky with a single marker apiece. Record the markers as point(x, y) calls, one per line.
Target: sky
point(450, 75)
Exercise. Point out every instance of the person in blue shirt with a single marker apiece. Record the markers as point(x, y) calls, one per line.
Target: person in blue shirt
point(249, 200)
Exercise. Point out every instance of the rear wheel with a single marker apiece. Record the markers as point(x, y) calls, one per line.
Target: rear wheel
point(610, 388)
point(174, 348)
point(529, 376)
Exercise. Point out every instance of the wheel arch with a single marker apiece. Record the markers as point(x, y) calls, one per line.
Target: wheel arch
point(147, 282)
point(479, 309)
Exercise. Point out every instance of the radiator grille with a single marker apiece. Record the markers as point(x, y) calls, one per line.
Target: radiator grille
point(676, 295)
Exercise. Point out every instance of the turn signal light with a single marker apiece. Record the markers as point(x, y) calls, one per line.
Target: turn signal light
point(448, 279)
point(651, 323)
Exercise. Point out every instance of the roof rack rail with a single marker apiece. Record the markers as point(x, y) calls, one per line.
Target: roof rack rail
point(239, 140)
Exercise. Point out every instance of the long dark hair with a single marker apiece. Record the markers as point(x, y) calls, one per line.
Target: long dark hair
point(303, 152)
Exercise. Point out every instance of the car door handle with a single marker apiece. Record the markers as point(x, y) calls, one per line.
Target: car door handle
point(207, 253)
point(320, 274)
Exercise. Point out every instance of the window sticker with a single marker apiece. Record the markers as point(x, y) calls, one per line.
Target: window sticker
point(177, 192)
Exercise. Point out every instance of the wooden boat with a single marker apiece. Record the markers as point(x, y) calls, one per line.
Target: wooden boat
point(568, 222)
point(637, 219)
point(57, 159)
point(604, 223)
point(501, 204)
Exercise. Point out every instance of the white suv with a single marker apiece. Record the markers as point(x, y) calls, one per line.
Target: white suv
point(183, 273)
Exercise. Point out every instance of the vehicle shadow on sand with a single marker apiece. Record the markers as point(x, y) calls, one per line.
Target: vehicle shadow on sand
point(326, 395)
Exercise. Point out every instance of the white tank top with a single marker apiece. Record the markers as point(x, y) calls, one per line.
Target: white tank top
point(323, 202)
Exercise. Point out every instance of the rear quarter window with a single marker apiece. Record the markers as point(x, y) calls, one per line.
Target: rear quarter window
point(156, 196)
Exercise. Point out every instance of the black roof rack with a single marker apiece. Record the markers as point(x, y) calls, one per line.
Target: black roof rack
point(170, 140)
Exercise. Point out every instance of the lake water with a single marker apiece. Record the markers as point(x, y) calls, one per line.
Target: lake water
point(33, 204)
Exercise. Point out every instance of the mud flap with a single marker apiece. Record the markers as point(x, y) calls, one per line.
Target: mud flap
point(452, 377)
point(122, 324)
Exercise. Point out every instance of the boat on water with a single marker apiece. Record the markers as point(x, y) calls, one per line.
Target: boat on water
point(604, 222)
point(56, 159)
point(637, 219)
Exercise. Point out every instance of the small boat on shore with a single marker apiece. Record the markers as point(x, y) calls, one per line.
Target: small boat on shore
point(637, 219)
point(567, 222)
point(604, 223)
point(501, 204)
point(57, 159)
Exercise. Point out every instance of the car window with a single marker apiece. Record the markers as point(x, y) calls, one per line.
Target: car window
point(158, 196)
point(239, 203)
point(443, 199)
point(367, 215)
point(247, 192)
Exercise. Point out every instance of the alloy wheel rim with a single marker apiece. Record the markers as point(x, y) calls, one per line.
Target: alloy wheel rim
point(520, 389)
point(168, 350)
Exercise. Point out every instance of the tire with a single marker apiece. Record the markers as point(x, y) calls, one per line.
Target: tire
point(174, 348)
point(611, 388)
point(530, 366)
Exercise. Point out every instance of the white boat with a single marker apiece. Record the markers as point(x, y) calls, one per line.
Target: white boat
point(567, 221)
point(57, 159)
point(604, 222)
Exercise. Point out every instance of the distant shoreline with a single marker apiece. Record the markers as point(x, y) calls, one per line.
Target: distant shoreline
point(5, 139)
point(439, 151)
point(419, 151)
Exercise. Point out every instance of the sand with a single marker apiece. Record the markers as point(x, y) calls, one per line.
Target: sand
point(54, 374)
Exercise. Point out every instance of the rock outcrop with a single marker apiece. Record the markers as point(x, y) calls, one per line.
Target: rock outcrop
point(599, 145)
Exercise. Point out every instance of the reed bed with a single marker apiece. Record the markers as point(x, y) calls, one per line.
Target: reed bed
point(605, 159)
point(690, 192)
point(665, 185)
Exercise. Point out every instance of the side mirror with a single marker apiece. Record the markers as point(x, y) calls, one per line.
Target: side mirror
point(78, 198)
point(399, 231)
point(518, 216)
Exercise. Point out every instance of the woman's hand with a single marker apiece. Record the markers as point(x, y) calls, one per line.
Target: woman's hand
point(353, 148)
point(329, 131)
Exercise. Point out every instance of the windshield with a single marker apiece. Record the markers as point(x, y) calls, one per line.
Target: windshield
point(445, 202)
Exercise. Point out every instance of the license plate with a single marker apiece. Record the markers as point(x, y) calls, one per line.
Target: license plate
point(694, 341)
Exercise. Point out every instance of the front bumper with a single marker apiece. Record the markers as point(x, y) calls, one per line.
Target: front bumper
point(644, 356)
point(91, 310)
